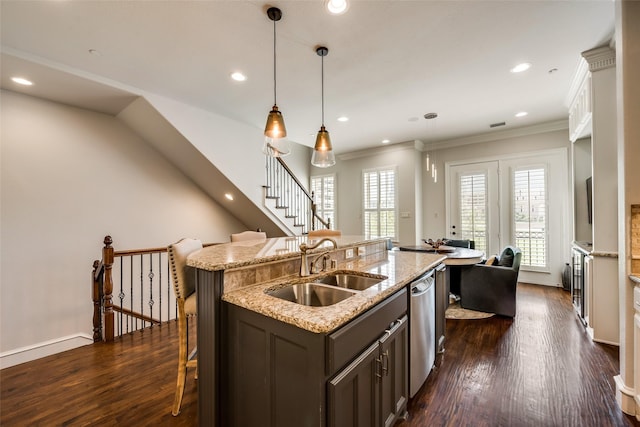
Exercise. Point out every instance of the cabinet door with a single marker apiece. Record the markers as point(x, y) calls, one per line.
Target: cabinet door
point(395, 375)
point(353, 392)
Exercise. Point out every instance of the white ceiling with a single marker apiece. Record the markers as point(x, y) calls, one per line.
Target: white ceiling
point(389, 62)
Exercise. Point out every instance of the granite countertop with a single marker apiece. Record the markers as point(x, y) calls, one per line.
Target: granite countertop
point(253, 252)
point(635, 279)
point(400, 268)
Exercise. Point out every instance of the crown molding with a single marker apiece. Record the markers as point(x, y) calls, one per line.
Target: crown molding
point(416, 145)
point(500, 135)
point(600, 58)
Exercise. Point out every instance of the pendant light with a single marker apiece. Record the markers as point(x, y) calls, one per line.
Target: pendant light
point(323, 156)
point(431, 165)
point(275, 132)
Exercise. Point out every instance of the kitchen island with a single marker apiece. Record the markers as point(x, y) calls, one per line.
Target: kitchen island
point(232, 281)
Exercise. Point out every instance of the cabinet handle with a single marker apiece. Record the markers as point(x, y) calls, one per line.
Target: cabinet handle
point(385, 362)
point(379, 363)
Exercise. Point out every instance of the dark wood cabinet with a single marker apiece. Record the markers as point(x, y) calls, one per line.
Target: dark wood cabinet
point(373, 389)
point(281, 375)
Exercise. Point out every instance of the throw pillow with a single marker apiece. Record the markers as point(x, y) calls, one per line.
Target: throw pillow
point(506, 259)
point(492, 260)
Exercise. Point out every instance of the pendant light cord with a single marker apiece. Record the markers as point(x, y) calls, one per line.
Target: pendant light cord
point(274, 63)
point(322, 84)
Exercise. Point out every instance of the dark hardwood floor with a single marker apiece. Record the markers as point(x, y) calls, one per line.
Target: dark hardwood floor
point(539, 369)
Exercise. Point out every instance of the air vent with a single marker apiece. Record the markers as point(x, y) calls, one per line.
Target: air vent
point(495, 125)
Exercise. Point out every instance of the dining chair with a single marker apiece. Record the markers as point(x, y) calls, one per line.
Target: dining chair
point(184, 288)
point(324, 232)
point(248, 235)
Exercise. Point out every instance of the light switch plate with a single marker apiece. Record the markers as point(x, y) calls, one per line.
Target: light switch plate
point(348, 253)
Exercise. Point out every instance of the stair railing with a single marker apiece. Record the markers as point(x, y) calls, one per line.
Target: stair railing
point(292, 197)
point(144, 296)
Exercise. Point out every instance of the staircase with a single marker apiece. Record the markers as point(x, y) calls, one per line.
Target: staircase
point(288, 199)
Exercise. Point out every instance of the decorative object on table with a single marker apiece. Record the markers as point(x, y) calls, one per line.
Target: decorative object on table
point(434, 244)
point(458, 313)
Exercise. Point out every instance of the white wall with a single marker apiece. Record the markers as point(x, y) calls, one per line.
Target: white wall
point(69, 177)
point(561, 228)
point(434, 193)
point(348, 170)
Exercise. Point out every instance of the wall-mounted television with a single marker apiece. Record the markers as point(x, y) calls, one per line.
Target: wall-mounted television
point(589, 201)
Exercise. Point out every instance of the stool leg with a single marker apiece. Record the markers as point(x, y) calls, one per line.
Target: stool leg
point(182, 359)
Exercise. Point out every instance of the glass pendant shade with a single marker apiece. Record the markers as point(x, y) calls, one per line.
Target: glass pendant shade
point(323, 156)
point(275, 132)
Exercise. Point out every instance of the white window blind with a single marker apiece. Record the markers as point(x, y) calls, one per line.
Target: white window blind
point(324, 191)
point(473, 209)
point(380, 203)
point(530, 215)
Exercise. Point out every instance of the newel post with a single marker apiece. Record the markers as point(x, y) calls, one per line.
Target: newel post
point(107, 259)
point(96, 279)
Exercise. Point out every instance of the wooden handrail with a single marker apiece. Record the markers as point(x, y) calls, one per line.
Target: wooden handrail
point(295, 179)
point(136, 315)
point(102, 290)
point(310, 196)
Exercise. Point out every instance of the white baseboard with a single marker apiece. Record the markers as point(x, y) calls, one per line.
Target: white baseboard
point(43, 349)
point(625, 396)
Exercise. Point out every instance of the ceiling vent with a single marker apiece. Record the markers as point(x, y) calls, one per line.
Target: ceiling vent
point(495, 125)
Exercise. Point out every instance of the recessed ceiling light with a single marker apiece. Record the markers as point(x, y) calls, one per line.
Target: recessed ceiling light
point(521, 114)
point(229, 196)
point(22, 81)
point(337, 7)
point(386, 141)
point(238, 76)
point(521, 67)
point(343, 119)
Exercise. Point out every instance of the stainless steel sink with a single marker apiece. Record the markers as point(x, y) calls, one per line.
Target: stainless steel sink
point(350, 281)
point(311, 294)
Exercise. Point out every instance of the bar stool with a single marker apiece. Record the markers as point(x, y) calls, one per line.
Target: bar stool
point(184, 288)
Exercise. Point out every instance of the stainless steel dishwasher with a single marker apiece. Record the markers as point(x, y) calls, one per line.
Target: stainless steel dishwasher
point(423, 330)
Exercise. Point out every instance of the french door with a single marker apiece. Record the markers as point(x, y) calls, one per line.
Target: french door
point(514, 200)
point(473, 209)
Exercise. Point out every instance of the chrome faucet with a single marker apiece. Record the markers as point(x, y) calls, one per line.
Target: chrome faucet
point(304, 265)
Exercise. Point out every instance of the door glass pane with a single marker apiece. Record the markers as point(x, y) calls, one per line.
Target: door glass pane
point(473, 209)
point(530, 215)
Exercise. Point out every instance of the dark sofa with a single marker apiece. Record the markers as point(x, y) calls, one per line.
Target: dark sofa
point(492, 288)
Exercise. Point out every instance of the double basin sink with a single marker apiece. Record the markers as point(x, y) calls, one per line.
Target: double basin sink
point(326, 290)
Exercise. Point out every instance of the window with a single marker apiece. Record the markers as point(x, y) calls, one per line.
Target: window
point(530, 215)
point(324, 192)
point(473, 209)
point(380, 206)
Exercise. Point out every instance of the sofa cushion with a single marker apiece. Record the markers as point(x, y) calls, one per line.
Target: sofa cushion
point(506, 258)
